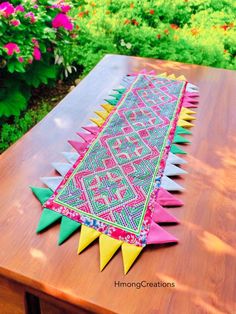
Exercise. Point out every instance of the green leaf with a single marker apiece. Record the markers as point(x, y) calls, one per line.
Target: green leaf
point(13, 102)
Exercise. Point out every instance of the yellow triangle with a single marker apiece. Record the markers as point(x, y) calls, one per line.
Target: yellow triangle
point(187, 117)
point(99, 121)
point(187, 111)
point(162, 74)
point(102, 114)
point(129, 253)
point(181, 78)
point(108, 107)
point(184, 123)
point(87, 236)
point(172, 76)
point(107, 247)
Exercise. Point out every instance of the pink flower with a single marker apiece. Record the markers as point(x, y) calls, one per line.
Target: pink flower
point(12, 48)
point(35, 42)
point(36, 6)
point(15, 22)
point(20, 8)
point(7, 9)
point(37, 53)
point(21, 59)
point(31, 16)
point(65, 8)
point(62, 20)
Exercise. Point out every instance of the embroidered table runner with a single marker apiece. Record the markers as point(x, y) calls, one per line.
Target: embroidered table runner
point(117, 183)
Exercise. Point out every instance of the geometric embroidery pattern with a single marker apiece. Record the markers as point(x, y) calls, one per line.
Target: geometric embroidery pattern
point(110, 188)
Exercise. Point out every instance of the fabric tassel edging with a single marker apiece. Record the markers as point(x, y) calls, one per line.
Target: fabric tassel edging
point(151, 130)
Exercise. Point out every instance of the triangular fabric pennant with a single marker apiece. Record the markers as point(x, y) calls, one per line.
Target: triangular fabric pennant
point(92, 129)
point(61, 167)
point(176, 150)
point(71, 157)
point(99, 121)
point(87, 236)
point(120, 90)
point(165, 198)
point(102, 114)
point(129, 254)
point(187, 104)
point(86, 137)
point(178, 139)
point(192, 87)
point(186, 117)
point(67, 228)
point(158, 235)
point(152, 72)
point(162, 74)
point(161, 215)
point(181, 78)
point(48, 217)
point(181, 130)
point(192, 95)
point(80, 147)
point(107, 247)
point(107, 107)
point(191, 100)
point(117, 96)
point(187, 111)
point(42, 194)
point(112, 102)
point(51, 182)
point(175, 160)
point(172, 76)
point(170, 185)
point(184, 123)
point(172, 170)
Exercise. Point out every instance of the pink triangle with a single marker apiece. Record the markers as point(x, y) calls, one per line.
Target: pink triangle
point(165, 198)
point(92, 129)
point(143, 71)
point(152, 72)
point(158, 235)
point(79, 146)
point(160, 215)
point(192, 100)
point(188, 94)
point(188, 105)
point(86, 137)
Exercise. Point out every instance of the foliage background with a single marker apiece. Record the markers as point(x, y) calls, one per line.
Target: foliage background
point(190, 31)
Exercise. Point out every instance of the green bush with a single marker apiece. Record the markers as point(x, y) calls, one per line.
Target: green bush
point(35, 37)
point(191, 31)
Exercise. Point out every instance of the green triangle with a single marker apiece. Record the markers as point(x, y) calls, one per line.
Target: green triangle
point(176, 150)
point(67, 228)
point(112, 102)
point(47, 218)
point(116, 96)
point(42, 194)
point(180, 139)
point(181, 130)
point(120, 90)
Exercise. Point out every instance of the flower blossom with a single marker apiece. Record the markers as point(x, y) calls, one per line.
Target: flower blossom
point(15, 22)
point(37, 53)
point(62, 20)
point(12, 48)
point(31, 16)
point(20, 8)
point(7, 9)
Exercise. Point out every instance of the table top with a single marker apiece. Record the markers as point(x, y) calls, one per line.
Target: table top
point(202, 266)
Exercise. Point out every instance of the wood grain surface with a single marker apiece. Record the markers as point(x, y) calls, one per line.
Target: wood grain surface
point(202, 266)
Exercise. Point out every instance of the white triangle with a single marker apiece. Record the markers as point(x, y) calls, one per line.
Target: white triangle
point(71, 157)
point(52, 182)
point(191, 88)
point(61, 167)
point(170, 185)
point(175, 160)
point(172, 170)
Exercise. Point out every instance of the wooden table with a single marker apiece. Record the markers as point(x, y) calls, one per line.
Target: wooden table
point(202, 265)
